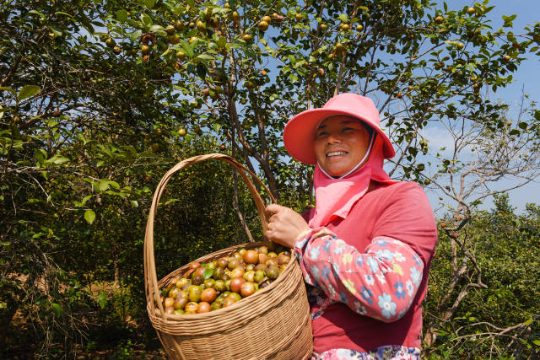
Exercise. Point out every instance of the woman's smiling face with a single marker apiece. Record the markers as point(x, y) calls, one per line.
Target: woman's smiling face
point(340, 143)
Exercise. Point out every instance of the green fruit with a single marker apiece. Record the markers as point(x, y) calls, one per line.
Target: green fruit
point(183, 283)
point(170, 29)
point(263, 25)
point(249, 276)
point(110, 42)
point(168, 302)
point(197, 279)
point(191, 307)
point(209, 283)
point(220, 286)
point(223, 262)
point(194, 293)
point(259, 275)
point(272, 272)
point(174, 292)
point(181, 300)
point(218, 273)
point(179, 25)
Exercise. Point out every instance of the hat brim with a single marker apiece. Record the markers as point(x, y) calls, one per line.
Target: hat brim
point(299, 134)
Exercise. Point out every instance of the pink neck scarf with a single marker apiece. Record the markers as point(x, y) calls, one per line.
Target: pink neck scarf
point(336, 197)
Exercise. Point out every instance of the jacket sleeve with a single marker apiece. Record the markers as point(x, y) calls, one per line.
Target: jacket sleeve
point(380, 283)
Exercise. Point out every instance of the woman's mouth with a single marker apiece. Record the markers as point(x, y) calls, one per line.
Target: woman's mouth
point(336, 153)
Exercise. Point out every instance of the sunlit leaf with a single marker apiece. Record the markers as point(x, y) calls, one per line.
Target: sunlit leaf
point(89, 216)
point(122, 15)
point(27, 91)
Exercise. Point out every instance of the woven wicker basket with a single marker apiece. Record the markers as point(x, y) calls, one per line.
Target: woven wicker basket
point(273, 323)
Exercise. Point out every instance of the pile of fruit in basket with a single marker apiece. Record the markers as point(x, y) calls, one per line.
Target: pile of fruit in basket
point(220, 283)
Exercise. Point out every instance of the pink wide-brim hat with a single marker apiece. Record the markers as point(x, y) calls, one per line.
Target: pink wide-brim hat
point(299, 133)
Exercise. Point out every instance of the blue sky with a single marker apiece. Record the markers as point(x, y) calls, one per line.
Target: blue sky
point(526, 80)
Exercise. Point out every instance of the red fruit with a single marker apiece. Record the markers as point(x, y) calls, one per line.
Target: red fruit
point(251, 257)
point(203, 307)
point(263, 258)
point(236, 284)
point(237, 272)
point(228, 301)
point(247, 288)
point(284, 258)
point(208, 295)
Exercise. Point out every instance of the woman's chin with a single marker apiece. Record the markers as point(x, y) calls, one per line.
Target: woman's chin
point(335, 171)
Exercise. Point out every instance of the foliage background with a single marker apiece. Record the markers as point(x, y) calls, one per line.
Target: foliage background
point(99, 99)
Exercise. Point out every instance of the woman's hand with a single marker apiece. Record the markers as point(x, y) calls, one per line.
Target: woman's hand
point(284, 225)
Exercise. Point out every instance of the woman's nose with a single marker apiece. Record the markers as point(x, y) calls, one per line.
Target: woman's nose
point(333, 139)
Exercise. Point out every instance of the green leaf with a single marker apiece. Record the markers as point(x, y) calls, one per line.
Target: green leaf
point(2, 88)
point(208, 273)
point(136, 35)
point(27, 91)
point(122, 15)
point(187, 47)
point(522, 125)
point(83, 202)
point(35, 12)
point(203, 57)
point(89, 216)
point(65, 14)
point(146, 20)
point(57, 160)
point(134, 203)
point(55, 31)
point(102, 299)
point(57, 309)
point(344, 18)
point(157, 29)
point(221, 41)
point(149, 3)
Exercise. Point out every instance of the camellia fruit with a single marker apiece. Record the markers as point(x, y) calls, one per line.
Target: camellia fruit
point(251, 257)
point(170, 29)
point(263, 25)
point(247, 289)
point(236, 284)
point(212, 285)
point(208, 295)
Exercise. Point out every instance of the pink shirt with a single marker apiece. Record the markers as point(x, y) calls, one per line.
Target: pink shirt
point(355, 261)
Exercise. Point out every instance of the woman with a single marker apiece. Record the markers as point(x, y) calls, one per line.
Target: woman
point(366, 247)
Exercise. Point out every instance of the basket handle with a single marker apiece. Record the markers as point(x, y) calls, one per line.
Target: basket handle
point(150, 275)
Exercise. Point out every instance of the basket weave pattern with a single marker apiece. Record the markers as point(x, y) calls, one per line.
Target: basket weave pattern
point(273, 323)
